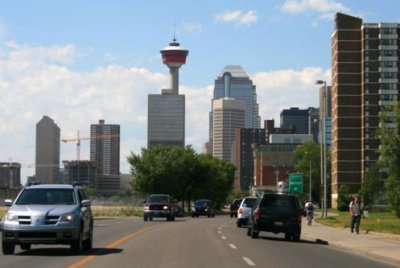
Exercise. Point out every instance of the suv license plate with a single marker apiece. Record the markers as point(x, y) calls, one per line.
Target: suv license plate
point(278, 223)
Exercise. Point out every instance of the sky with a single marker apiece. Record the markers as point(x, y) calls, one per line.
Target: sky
point(81, 61)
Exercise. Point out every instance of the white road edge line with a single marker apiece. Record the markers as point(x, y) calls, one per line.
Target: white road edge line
point(232, 246)
point(219, 232)
point(223, 237)
point(249, 262)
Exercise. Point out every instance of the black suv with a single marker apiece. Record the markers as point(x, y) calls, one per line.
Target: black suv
point(234, 207)
point(202, 207)
point(276, 213)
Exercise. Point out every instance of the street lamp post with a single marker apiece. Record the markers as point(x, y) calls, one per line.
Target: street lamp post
point(323, 147)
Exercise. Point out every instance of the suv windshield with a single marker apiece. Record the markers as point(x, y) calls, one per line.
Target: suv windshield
point(204, 203)
point(46, 197)
point(158, 199)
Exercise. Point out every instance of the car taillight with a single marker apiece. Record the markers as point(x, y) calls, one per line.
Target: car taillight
point(257, 213)
point(299, 217)
point(240, 211)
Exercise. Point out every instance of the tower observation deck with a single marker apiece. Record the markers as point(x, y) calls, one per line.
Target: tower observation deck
point(174, 56)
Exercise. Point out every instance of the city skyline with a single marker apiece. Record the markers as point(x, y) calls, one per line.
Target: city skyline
point(78, 63)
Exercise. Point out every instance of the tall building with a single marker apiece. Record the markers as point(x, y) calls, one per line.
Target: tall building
point(365, 82)
point(325, 113)
point(10, 175)
point(82, 172)
point(300, 120)
point(105, 147)
point(166, 111)
point(234, 82)
point(47, 151)
point(244, 142)
point(228, 115)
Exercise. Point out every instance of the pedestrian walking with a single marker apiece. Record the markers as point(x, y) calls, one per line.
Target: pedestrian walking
point(355, 208)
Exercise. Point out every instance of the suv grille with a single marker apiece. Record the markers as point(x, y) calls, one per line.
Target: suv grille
point(24, 220)
point(49, 220)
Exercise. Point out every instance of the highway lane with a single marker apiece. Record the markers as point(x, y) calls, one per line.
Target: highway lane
point(187, 242)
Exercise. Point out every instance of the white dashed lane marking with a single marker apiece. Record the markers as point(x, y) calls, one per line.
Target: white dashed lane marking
point(232, 246)
point(249, 262)
point(223, 237)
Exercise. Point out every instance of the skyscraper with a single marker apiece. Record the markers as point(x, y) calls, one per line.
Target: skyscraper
point(105, 147)
point(228, 115)
point(47, 151)
point(233, 82)
point(166, 111)
point(365, 82)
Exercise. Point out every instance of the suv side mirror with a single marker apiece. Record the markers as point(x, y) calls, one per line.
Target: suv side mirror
point(8, 202)
point(86, 203)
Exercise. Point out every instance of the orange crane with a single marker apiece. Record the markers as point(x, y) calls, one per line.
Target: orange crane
point(78, 140)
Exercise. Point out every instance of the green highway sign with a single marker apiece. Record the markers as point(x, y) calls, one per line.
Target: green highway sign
point(296, 183)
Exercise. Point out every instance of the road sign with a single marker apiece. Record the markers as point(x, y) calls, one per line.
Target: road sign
point(296, 183)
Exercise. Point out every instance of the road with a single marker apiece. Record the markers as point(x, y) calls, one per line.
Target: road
point(186, 242)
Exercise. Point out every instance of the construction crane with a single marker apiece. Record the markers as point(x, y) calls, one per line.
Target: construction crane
point(78, 140)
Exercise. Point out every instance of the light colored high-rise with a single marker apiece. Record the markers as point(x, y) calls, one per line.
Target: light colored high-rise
point(166, 111)
point(228, 115)
point(365, 82)
point(105, 147)
point(47, 151)
point(234, 82)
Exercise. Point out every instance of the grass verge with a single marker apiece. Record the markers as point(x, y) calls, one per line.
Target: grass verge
point(383, 222)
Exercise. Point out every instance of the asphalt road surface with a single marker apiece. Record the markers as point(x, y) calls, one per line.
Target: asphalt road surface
point(186, 242)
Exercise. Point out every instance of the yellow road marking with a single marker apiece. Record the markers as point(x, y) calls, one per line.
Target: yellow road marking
point(90, 258)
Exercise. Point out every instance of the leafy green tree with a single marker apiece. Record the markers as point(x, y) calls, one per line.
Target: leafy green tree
point(181, 173)
point(389, 137)
point(306, 155)
point(344, 197)
point(372, 185)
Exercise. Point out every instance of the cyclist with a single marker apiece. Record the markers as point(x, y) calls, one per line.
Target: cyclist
point(309, 210)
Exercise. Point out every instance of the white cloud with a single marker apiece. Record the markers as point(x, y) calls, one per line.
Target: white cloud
point(193, 27)
point(299, 87)
point(326, 8)
point(238, 17)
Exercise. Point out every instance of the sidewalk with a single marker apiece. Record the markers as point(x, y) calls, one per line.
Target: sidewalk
point(382, 246)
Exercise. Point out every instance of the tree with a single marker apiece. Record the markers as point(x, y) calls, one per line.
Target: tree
point(372, 185)
point(389, 137)
point(306, 154)
point(344, 198)
point(181, 173)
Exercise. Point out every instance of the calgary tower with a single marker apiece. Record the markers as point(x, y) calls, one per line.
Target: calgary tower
point(174, 56)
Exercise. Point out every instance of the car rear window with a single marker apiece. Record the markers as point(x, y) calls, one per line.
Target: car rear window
point(278, 201)
point(249, 202)
point(46, 197)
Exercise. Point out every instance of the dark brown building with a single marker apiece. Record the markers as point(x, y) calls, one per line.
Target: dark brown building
point(365, 82)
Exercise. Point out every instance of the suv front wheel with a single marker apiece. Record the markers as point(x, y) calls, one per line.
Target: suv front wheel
point(76, 246)
point(8, 248)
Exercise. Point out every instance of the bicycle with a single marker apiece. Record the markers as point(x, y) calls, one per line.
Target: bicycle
point(310, 216)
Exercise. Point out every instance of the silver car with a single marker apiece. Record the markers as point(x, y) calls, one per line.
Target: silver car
point(244, 210)
point(48, 214)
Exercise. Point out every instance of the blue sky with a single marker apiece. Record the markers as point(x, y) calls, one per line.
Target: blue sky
point(81, 61)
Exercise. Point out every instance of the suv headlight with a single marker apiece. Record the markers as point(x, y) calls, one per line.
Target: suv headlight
point(11, 217)
point(68, 217)
point(166, 207)
point(146, 207)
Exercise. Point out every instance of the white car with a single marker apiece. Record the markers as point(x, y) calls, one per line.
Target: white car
point(244, 210)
